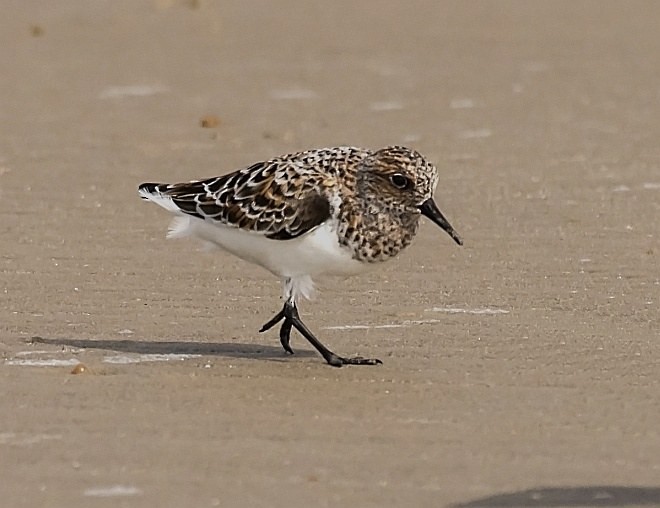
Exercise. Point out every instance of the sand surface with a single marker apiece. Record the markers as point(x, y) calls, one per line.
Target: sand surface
point(529, 359)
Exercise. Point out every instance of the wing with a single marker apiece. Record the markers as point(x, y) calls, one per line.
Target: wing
point(279, 199)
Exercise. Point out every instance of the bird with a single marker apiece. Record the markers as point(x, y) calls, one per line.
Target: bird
point(326, 211)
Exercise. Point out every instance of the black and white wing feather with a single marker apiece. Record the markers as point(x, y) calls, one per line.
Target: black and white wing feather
point(279, 199)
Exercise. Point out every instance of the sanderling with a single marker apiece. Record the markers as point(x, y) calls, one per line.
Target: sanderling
point(325, 211)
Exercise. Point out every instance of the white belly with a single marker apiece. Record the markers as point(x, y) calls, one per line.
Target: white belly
point(315, 253)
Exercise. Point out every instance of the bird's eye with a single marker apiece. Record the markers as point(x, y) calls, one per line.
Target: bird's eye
point(400, 181)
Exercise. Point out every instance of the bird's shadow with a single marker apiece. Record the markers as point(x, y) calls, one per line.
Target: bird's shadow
point(161, 347)
point(556, 497)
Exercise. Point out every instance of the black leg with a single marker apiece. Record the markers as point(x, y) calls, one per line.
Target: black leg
point(285, 335)
point(285, 330)
point(272, 322)
point(289, 314)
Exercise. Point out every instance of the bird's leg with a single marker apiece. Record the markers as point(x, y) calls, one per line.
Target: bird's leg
point(285, 330)
point(285, 335)
point(289, 314)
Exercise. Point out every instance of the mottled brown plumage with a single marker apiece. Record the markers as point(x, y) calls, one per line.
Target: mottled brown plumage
point(331, 210)
point(288, 196)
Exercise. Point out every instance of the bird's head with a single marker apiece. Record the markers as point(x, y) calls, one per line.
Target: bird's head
point(403, 178)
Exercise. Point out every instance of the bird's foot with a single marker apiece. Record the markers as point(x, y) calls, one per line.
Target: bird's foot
point(358, 360)
point(273, 321)
point(289, 314)
point(285, 330)
point(338, 361)
point(285, 335)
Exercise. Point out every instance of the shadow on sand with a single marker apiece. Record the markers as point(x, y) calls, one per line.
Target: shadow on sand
point(599, 495)
point(226, 349)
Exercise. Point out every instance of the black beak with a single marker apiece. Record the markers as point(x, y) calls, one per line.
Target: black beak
point(430, 209)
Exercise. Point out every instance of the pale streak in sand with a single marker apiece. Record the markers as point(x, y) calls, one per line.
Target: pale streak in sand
point(112, 491)
point(126, 359)
point(42, 363)
point(408, 323)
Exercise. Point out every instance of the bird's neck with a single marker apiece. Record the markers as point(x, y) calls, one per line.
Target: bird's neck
point(374, 232)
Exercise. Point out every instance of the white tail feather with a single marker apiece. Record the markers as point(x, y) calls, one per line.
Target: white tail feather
point(161, 200)
point(179, 227)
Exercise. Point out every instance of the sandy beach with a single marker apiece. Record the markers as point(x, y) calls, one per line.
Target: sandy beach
point(522, 369)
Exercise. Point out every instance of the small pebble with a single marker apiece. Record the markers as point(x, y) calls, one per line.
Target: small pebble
point(36, 30)
point(79, 369)
point(209, 121)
